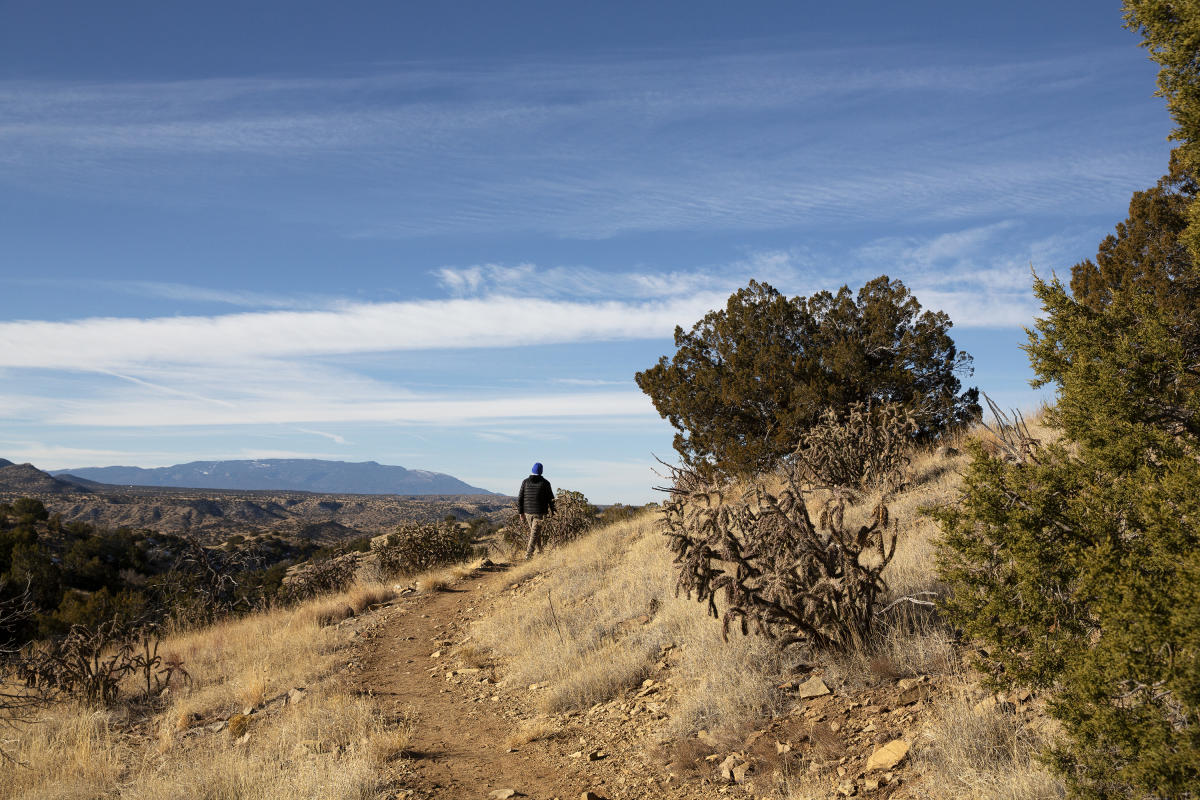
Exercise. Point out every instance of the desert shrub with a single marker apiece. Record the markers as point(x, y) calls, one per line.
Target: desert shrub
point(320, 577)
point(782, 574)
point(90, 663)
point(573, 516)
point(749, 379)
point(618, 512)
point(416, 547)
point(18, 703)
point(1078, 562)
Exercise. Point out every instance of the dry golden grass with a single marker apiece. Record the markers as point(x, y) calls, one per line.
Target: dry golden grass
point(531, 731)
point(329, 745)
point(365, 596)
point(433, 582)
point(985, 753)
point(599, 618)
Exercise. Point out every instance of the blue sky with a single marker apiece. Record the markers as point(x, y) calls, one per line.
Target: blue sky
point(447, 235)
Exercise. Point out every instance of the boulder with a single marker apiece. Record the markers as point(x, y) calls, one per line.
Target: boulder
point(888, 756)
point(813, 687)
point(727, 767)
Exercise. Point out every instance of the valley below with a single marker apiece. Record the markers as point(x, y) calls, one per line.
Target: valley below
point(212, 515)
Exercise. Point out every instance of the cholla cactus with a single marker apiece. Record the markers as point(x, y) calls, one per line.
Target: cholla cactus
point(419, 546)
point(865, 448)
point(782, 574)
point(573, 516)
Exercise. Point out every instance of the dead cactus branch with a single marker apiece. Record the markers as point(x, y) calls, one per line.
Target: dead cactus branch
point(1011, 436)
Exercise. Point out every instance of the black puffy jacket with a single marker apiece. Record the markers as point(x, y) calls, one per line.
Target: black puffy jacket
point(535, 496)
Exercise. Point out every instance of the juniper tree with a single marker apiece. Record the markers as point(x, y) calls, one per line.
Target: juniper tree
point(749, 379)
point(1170, 31)
point(1080, 563)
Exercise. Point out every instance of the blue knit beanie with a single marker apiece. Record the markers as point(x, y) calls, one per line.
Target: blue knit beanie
point(537, 468)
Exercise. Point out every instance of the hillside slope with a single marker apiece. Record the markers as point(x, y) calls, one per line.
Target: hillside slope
point(28, 479)
point(594, 642)
point(580, 670)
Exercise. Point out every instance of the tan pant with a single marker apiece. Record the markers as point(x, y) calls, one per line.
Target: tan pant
point(535, 534)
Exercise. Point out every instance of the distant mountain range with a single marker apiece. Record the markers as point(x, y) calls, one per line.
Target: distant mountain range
point(285, 474)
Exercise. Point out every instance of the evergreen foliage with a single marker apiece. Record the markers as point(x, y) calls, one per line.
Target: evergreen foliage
point(749, 379)
point(1170, 31)
point(1078, 562)
point(72, 574)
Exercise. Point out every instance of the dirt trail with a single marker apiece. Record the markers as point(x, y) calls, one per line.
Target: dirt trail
point(459, 749)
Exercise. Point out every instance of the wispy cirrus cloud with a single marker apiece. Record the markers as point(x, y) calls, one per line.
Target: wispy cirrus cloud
point(333, 437)
point(134, 411)
point(596, 147)
point(497, 321)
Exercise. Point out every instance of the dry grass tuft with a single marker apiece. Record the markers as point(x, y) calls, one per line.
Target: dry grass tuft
point(434, 582)
point(472, 656)
point(392, 739)
point(325, 612)
point(983, 752)
point(253, 688)
point(532, 731)
point(364, 597)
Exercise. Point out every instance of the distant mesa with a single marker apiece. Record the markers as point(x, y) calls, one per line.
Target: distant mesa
point(280, 474)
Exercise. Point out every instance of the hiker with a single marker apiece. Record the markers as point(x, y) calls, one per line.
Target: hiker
point(535, 499)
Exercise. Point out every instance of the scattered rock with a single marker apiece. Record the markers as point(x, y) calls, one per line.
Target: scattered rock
point(813, 687)
point(436, 654)
point(888, 756)
point(296, 695)
point(739, 772)
point(728, 766)
point(589, 795)
point(504, 794)
point(596, 755)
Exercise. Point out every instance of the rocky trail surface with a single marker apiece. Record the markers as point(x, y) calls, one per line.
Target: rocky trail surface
point(478, 737)
point(463, 746)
